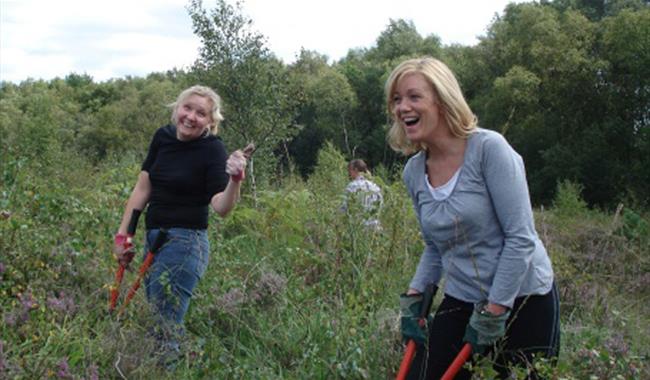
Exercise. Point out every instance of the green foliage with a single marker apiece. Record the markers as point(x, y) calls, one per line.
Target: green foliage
point(553, 78)
point(634, 227)
point(254, 85)
point(96, 119)
point(400, 39)
point(331, 171)
point(327, 103)
point(565, 81)
point(367, 78)
point(295, 289)
point(366, 72)
point(568, 200)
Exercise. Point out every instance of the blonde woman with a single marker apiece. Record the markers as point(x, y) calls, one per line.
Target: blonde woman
point(470, 195)
point(186, 170)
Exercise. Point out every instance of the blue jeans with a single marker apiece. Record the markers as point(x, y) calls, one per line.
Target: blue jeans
point(176, 270)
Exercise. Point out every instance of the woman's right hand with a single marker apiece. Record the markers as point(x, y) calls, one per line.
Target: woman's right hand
point(123, 250)
point(412, 324)
point(236, 165)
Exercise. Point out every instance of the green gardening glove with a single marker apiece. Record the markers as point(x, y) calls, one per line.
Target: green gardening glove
point(413, 326)
point(484, 328)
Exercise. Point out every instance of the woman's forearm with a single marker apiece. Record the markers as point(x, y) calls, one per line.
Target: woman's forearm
point(137, 200)
point(222, 203)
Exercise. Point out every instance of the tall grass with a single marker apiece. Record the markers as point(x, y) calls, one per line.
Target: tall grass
point(295, 289)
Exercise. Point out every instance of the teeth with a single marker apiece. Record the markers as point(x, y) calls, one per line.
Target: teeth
point(410, 120)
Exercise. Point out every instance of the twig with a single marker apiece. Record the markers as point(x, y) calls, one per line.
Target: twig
point(117, 366)
point(616, 222)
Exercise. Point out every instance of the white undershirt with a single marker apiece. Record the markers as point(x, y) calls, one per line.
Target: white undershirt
point(442, 192)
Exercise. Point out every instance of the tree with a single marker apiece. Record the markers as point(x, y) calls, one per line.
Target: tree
point(367, 71)
point(399, 39)
point(254, 84)
point(325, 110)
point(543, 89)
point(625, 45)
point(567, 84)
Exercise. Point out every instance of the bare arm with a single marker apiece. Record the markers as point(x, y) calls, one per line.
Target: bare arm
point(222, 203)
point(137, 200)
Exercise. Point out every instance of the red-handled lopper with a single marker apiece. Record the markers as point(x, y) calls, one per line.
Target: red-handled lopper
point(128, 244)
point(157, 244)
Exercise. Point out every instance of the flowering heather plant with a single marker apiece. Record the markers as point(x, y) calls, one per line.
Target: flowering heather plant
point(269, 285)
point(617, 346)
point(92, 372)
point(10, 319)
point(62, 304)
point(21, 315)
point(27, 301)
point(231, 301)
point(63, 370)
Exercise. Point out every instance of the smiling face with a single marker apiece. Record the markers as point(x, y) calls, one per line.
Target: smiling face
point(416, 109)
point(193, 117)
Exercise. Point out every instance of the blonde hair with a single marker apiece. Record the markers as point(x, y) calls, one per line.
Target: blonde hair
point(205, 92)
point(459, 117)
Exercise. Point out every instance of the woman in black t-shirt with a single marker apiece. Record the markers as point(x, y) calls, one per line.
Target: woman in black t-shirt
point(186, 169)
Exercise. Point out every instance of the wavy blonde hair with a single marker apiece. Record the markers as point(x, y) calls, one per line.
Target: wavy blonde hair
point(205, 92)
point(459, 117)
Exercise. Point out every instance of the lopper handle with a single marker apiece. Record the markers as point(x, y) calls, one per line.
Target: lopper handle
point(115, 289)
point(160, 240)
point(133, 222)
point(405, 366)
point(119, 275)
point(157, 244)
point(458, 363)
point(136, 285)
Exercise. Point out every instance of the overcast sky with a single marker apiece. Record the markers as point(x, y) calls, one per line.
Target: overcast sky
point(43, 39)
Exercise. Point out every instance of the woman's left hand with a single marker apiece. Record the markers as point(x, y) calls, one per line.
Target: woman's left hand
point(236, 165)
point(484, 328)
point(495, 309)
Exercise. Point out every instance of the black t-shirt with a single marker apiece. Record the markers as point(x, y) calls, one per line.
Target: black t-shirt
point(184, 176)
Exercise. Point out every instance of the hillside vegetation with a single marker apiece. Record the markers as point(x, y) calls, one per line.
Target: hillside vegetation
point(295, 289)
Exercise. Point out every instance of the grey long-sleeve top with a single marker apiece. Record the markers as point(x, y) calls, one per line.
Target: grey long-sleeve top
point(483, 235)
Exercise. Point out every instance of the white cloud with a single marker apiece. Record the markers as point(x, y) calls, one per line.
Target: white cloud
point(107, 39)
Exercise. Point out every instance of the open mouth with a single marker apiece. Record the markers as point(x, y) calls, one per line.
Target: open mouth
point(410, 121)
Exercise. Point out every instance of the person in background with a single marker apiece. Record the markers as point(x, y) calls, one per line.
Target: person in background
point(362, 190)
point(186, 170)
point(471, 199)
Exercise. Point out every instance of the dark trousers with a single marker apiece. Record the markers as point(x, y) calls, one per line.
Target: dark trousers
point(533, 328)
